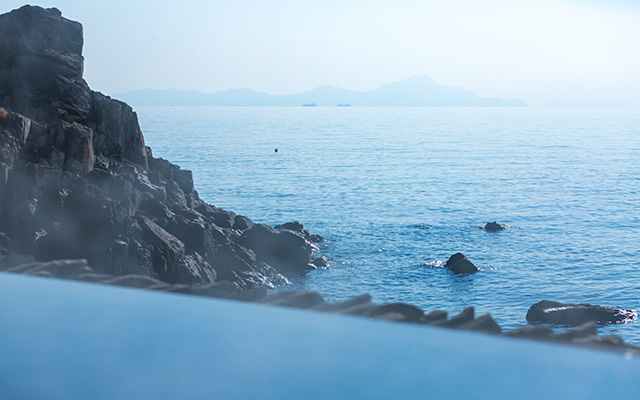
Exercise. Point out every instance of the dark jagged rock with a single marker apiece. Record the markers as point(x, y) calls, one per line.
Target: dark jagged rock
point(459, 264)
point(293, 299)
point(493, 227)
point(242, 223)
point(41, 54)
point(321, 262)
point(291, 226)
point(466, 316)
point(485, 324)
point(113, 116)
point(285, 250)
point(611, 341)
point(539, 332)
point(78, 182)
point(344, 305)
point(297, 227)
point(316, 239)
point(552, 312)
point(360, 310)
point(433, 316)
point(397, 312)
point(584, 330)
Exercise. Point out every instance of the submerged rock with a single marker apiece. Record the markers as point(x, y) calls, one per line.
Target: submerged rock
point(552, 312)
point(459, 264)
point(493, 227)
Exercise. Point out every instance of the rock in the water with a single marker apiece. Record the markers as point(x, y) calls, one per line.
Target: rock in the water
point(459, 264)
point(540, 332)
point(316, 239)
point(345, 305)
point(284, 249)
point(321, 262)
point(292, 226)
point(401, 311)
point(433, 316)
point(467, 315)
point(552, 312)
point(294, 299)
point(485, 324)
point(494, 227)
point(582, 331)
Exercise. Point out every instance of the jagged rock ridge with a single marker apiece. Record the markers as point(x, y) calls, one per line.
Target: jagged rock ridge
point(78, 182)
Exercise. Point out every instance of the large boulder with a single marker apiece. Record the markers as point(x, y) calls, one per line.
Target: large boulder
point(285, 250)
point(493, 227)
point(552, 312)
point(459, 264)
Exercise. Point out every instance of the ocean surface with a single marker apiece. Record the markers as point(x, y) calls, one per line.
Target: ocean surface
point(396, 191)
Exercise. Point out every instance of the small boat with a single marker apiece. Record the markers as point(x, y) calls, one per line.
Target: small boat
point(344, 105)
point(309, 105)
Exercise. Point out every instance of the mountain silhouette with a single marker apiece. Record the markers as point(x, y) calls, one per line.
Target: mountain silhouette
point(415, 91)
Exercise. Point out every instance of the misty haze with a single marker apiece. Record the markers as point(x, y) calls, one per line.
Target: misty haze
point(337, 199)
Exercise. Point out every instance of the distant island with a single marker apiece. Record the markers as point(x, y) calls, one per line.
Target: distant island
point(416, 91)
point(582, 104)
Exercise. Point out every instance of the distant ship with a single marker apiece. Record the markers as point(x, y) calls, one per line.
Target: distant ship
point(309, 105)
point(344, 105)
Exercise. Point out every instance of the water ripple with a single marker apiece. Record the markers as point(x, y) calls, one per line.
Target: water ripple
point(399, 190)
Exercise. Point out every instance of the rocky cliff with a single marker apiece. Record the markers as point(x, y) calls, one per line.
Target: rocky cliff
point(78, 182)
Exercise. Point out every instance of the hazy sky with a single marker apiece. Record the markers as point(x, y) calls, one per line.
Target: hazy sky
point(539, 51)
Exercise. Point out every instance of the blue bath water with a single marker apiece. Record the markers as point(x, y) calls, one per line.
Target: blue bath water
point(396, 191)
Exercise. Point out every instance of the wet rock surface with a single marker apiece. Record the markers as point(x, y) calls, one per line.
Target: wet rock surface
point(552, 312)
point(493, 227)
point(459, 264)
point(78, 182)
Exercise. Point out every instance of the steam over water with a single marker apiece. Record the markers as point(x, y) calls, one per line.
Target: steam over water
point(398, 190)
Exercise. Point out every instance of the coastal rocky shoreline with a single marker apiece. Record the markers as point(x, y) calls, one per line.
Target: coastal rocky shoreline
point(83, 198)
point(78, 181)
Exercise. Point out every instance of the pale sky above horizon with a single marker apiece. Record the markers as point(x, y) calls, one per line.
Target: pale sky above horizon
point(539, 51)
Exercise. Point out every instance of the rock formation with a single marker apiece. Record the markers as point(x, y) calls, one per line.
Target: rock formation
point(493, 227)
point(360, 306)
point(552, 312)
point(459, 264)
point(78, 182)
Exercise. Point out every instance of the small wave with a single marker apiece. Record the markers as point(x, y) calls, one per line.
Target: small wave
point(433, 264)
point(629, 315)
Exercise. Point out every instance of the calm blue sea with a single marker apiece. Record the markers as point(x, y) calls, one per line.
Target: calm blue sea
point(396, 191)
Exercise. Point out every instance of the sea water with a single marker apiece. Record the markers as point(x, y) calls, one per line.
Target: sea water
point(396, 191)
